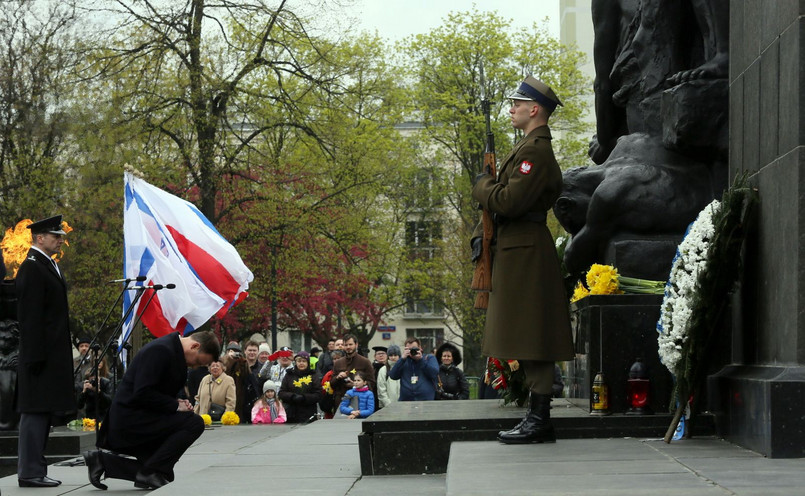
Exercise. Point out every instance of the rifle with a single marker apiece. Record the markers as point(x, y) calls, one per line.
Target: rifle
point(482, 278)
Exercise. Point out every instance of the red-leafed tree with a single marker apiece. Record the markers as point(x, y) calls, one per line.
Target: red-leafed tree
point(337, 298)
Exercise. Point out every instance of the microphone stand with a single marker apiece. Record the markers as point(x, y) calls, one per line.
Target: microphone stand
point(118, 328)
point(145, 307)
point(100, 328)
point(95, 369)
point(116, 352)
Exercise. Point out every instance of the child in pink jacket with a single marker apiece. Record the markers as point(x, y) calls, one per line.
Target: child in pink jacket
point(268, 409)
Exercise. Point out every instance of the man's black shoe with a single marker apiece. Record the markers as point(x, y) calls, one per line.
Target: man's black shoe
point(38, 482)
point(530, 432)
point(93, 461)
point(150, 481)
point(536, 427)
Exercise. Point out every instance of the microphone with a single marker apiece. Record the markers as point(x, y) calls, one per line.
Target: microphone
point(155, 287)
point(130, 279)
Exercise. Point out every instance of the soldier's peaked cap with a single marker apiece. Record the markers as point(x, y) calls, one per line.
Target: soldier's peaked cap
point(533, 89)
point(50, 225)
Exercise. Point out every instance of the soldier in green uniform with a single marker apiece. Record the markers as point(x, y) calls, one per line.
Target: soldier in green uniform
point(527, 318)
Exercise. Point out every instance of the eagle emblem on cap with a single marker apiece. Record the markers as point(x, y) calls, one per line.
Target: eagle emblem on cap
point(526, 167)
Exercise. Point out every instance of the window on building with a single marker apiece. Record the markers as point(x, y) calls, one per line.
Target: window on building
point(420, 238)
point(416, 305)
point(422, 196)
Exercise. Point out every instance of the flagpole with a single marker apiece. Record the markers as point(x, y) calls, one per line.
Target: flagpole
point(118, 328)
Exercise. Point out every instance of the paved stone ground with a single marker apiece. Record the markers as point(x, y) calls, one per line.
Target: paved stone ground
point(609, 467)
point(322, 459)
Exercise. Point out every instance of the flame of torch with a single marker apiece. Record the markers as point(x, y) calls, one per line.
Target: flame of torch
point(17, 242)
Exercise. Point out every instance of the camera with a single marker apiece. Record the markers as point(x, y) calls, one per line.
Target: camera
point(414, 351)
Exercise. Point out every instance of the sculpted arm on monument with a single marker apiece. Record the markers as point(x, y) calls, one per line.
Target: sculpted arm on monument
point(610, 20)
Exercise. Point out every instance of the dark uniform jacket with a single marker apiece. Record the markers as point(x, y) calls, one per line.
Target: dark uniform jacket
point(45, 343)
point(528, 317)
point(143, 410)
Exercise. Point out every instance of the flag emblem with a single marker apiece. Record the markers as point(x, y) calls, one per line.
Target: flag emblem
point(525, 167)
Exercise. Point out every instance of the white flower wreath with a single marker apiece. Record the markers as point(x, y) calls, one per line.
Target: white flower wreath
point(675, 312)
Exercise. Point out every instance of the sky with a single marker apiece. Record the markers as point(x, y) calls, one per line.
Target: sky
point(396, 19)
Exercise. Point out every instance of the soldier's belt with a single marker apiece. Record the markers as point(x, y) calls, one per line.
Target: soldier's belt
point(536, 217)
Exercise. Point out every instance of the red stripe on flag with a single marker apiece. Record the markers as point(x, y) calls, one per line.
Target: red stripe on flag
point(209, 270)
point(155, 320)
point(242, 296)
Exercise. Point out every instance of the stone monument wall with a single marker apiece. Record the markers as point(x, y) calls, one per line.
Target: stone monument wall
point(761, 397)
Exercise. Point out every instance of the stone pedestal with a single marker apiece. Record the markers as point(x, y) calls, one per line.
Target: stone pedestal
point(610, 332)
point(644, 257)
point(761, 407)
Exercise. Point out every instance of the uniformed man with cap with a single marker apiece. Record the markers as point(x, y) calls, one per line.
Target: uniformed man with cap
point(45, 372)
point(527, 318)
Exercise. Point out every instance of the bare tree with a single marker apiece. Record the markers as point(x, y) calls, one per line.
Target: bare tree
point(195, 68)
point(36, 62)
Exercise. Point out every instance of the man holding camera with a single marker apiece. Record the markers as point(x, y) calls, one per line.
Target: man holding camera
point(416, 372)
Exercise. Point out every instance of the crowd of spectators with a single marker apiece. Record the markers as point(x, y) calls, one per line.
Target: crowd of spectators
point(336, 382)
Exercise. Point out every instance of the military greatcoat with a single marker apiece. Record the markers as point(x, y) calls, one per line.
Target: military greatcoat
point(528, 317)
point(45, 343)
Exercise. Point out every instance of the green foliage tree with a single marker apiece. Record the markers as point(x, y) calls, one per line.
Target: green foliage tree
point(302, 131)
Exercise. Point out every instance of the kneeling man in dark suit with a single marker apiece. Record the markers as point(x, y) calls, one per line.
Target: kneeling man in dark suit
point(147, 420)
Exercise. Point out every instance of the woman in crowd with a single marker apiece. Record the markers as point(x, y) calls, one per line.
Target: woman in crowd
point(301, 390)
point(388, 389)
point(247, 387)
point(453, 384)
point(96, 396)
point(217, 387)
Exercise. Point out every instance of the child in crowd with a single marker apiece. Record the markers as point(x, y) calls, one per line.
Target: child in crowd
point(359, 402)
point(268, 408)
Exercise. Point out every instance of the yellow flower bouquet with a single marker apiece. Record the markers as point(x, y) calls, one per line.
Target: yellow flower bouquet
point(605, 280)
point(230, 418)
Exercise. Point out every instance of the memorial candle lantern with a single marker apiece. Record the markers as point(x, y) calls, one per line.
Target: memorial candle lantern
point(637, 389)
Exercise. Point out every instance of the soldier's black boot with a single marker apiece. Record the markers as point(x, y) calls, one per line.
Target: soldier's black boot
point(522, 421)
point(536, 427)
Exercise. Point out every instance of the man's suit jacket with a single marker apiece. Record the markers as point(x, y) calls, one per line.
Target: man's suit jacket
point(45, 368)
point(143, 411)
